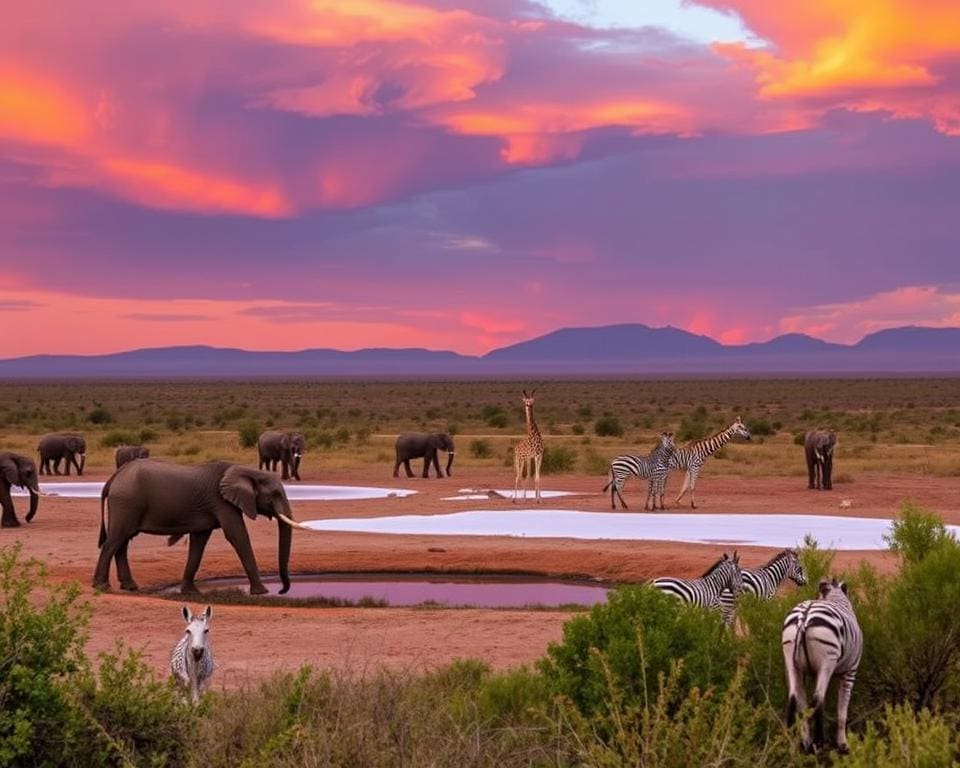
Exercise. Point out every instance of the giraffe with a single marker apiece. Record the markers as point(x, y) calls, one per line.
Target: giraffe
point(528, 453)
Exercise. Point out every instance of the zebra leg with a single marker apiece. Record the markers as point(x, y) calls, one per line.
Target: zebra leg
point(617, 488)
point(797, 695)
point(198, 542)
point(693, 490)
point(123, 568)
point(843, 703)
point(819, 700)
point(683, 490)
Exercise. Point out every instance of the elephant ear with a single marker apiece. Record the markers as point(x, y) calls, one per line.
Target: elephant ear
point(9, 471)
point(236, 487)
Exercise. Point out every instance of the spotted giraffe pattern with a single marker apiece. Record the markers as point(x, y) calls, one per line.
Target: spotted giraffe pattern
point(528, 452)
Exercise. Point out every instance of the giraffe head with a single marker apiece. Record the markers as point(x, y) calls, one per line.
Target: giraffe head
point(528, 399)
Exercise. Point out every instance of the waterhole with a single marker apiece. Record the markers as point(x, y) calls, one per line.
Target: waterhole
point(411, 590)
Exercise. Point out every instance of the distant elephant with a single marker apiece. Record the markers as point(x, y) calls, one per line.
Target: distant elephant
point(17, 470)
point(414, 445)
point(127, 453)
point(151, 496)
point(62, 445)
point(819, 445)
point(284, 447)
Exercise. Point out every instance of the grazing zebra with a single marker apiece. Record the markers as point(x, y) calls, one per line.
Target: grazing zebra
point(191, 662)
point(822, 637)
point(654, 466)
point(692, 457)
point(705, 591)
point(765, 580)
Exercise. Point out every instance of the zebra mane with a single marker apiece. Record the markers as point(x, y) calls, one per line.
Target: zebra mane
point(784, 553)
point(710, 437)
point(714, 567)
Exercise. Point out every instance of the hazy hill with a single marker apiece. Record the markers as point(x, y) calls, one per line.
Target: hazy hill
point(612, 349)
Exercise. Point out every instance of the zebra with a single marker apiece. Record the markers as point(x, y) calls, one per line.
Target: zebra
point(191, 662)
point(692, 457)
point(654, 466)
point(705, 591)
point(822, 637)
point(765, 580)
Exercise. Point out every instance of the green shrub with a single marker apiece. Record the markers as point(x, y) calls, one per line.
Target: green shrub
point(480, 449)
point(608, 426)
point(117, 437)
point(903, 737)
point(323, 440)
point(617, 652)
point(42, 632)
point(342, 435)
point(760, 427)
point(494, 416)
point(799, 438)
point(915, 533)
point(147, 435)
point(249, 432)
point(594, 463)
point(577, 429)
point(99, 415)
point(558, 459)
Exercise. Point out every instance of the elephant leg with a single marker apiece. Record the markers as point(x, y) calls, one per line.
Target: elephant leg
point(236, 533)
point(123, 568)
point(828, 475)
point(436, 464)
point(56, 466)
point(396, 467)
point(101, 575)
point(198, 542)
point(9, 518)
point(406, 466)
point(810, 475)
point(285, 467)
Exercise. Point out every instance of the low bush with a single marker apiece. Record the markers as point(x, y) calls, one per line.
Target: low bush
point(904, 737)
point(480, 449)
point(608, 426)
point(558, 459)
point(494, 416)
point(249, 432)
point(99, 415)
point(116, 437)
point(761, 427)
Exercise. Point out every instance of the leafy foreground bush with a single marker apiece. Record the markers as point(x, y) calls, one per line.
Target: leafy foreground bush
point(558, 459)
point(54, 710)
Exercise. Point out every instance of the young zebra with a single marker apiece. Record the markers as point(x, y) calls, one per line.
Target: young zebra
point(765, 580)
point(705, 591)
point(191, 662)
point(692, 457)
point(654, 466)
point(822, 637)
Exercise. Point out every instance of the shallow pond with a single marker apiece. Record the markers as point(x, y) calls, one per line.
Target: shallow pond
point(410, 590)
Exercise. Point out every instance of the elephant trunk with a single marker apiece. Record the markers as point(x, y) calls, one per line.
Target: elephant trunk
point(83, 461)
point(34, 502)
point(449, 463)
point(284, 538)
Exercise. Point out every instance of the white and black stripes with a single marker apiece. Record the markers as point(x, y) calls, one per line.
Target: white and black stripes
point(692, 457)
point(191, 662)
point(705, 591)
point(653, 467)
point(766, 580)
point(822, 638)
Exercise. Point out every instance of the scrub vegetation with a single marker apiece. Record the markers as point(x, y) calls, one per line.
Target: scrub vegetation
point(640, 680)
point(883, 424)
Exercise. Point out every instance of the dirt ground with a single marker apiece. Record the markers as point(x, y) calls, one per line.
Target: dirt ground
point(252, 641)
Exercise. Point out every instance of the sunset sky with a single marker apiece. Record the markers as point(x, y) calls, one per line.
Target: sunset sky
point(463, 174)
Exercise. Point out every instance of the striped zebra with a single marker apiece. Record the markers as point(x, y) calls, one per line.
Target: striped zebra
point(766, 580)
point(191, 662)
point(692, 457)
point(822, 638)
point(654, 467)
point(705, 591)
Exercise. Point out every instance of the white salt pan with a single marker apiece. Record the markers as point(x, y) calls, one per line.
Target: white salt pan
point(91, 490)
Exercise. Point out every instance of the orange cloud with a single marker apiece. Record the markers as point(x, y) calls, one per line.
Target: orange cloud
point(165, 185)
point(859, 54)
point(34, 110)
point(850, 321)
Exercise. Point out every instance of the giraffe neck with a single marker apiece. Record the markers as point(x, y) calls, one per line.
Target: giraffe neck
point(531, 424)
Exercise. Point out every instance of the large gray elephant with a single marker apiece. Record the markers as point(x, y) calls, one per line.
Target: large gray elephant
point(819, 444)
point(17, 470)
point(414, 445)
point(284, 447)
point(127, 453)
point(151, 496)
point(62, 446)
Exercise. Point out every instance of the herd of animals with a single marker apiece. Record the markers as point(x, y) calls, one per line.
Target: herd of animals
point(820, 637)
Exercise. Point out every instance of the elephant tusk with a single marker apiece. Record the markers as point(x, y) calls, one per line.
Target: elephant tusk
point(292, 523)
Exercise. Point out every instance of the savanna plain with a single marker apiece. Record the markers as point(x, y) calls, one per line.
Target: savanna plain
point(640, 680)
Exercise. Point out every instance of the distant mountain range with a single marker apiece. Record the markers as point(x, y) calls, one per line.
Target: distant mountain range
point(604, 350)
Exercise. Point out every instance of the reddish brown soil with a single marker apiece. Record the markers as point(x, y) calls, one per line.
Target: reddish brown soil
point(253, 640)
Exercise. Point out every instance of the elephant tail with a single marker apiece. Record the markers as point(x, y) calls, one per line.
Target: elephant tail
point(171, 540)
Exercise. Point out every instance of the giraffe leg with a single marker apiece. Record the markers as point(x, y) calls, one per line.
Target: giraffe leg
point(516, 475)
point(537, 460)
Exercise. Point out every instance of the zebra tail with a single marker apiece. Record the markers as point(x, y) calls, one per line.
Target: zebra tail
point(801, 637)
point(609, 482)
